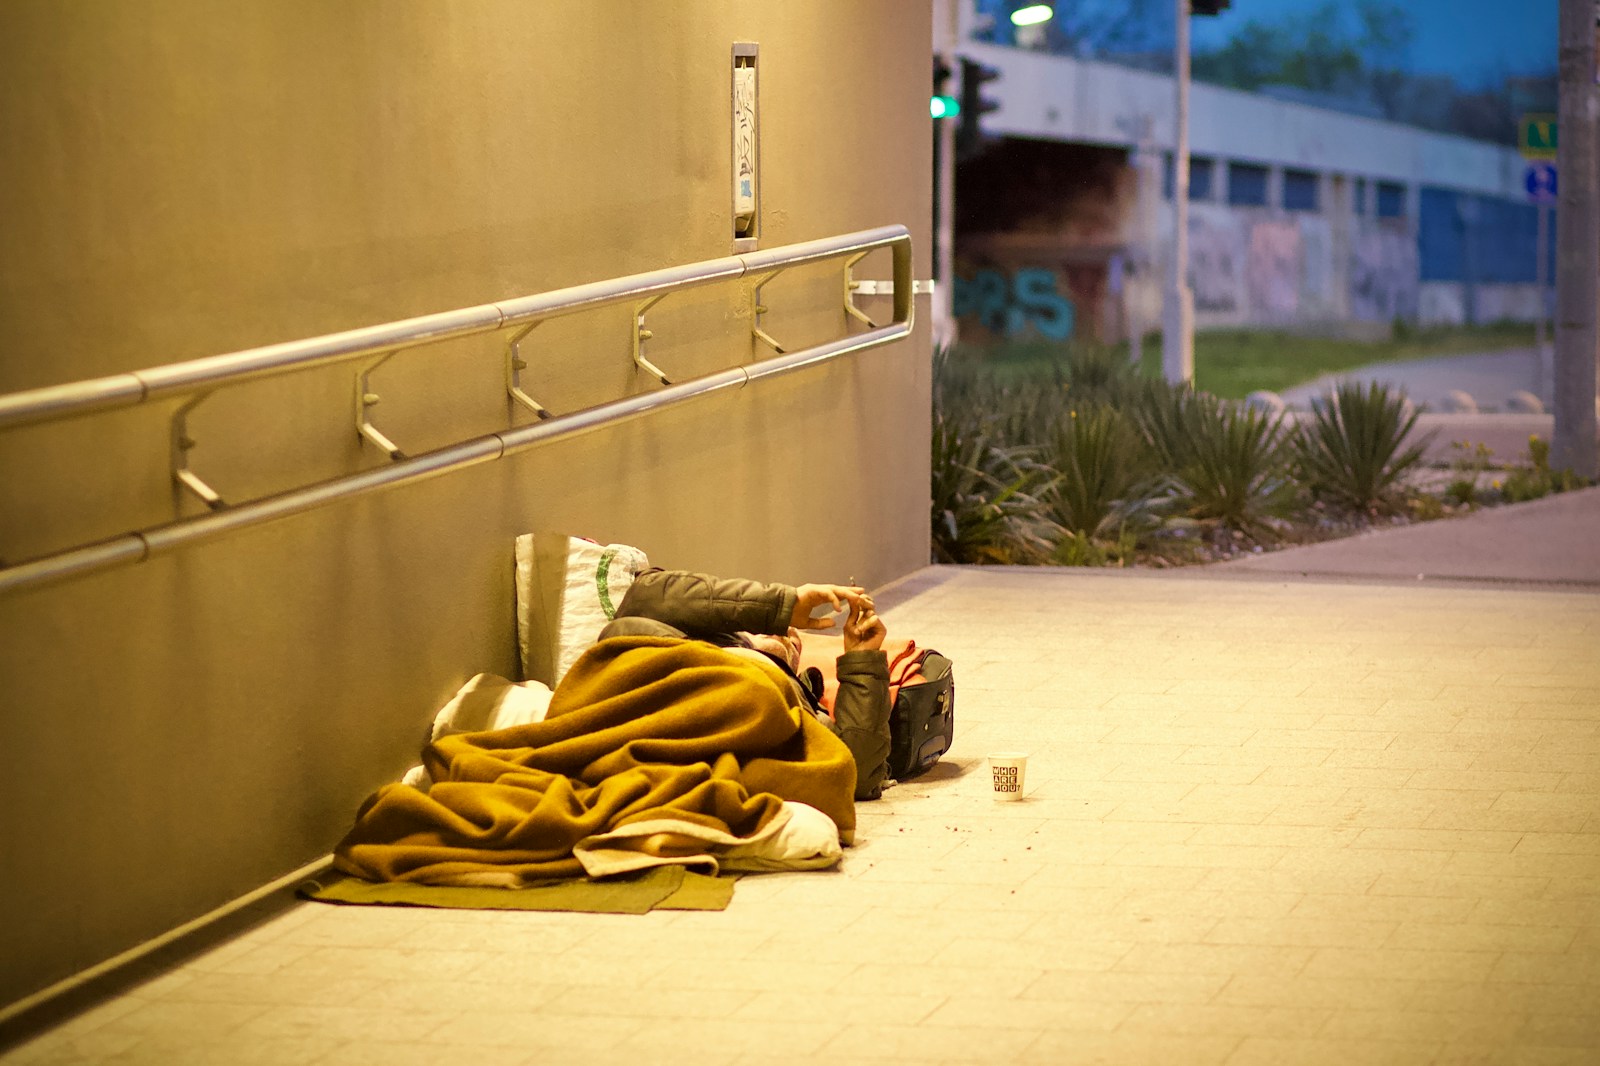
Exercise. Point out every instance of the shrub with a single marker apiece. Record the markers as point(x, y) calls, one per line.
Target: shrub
point(1470, 464)
point(1237, 474)
point(1080, 550)
point(1098, 375)
point(983, 509)
point(1167, 420)
point(983, 503)
point(1106, 478)
point(1225, 459)
point(1537, 479)
point(1353, 452)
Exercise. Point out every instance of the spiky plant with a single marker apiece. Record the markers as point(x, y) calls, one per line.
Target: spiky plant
point(985, 470)
point(983, 505)
point(1352, 450)
point(1226, 460)
point(1106, 478)
point(1098, 375)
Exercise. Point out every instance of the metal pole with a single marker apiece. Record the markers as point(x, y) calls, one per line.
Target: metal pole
point(1577, 246)
point(946, 34)
point(1177, 317)
point(1541, 275)
point(1137, 288)
point(1547, 301)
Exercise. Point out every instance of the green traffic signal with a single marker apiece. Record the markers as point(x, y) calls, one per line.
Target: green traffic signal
point(944, 107)
point(1032, 15)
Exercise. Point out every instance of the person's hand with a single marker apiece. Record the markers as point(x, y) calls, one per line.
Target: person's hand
point(837, 596)
point(864, 630)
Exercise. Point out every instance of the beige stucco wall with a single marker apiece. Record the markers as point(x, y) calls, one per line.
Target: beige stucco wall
point(180, 179)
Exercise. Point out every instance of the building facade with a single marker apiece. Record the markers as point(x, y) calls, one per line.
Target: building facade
point(1301, 217)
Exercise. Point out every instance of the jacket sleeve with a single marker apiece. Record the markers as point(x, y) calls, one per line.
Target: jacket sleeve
point(700, 605)
point(861, 716)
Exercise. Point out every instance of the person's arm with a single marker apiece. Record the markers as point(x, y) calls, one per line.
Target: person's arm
point(861, 708)
point(699, 604)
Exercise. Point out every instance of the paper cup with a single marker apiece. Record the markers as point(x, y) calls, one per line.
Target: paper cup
point(1008, 770)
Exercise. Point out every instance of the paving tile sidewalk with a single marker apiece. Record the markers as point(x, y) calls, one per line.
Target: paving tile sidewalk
point(1552, 541)
point(1267, 821)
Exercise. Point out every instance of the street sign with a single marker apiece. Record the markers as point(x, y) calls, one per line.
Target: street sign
point(1540, 181)
point(1536, 136)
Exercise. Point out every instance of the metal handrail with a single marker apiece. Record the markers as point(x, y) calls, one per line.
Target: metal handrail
point(203, 375)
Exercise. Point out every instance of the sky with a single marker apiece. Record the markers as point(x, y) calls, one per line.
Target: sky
point(1475, 41)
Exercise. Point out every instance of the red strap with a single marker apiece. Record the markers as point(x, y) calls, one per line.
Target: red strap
point(911, 660)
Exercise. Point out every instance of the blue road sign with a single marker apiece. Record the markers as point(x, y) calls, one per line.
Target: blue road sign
point(1540, 181)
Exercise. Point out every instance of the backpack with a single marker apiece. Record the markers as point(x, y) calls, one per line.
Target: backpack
point(922, 698)
point(922, 715)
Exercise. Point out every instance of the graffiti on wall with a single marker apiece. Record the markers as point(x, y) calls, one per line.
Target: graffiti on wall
point(1216, 262)
point(1316, 261)
point(1274, 270)
point(1253, 269)
point(1011, 306)
point(1383, 275)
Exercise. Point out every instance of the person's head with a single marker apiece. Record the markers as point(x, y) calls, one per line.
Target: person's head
point(785, 648)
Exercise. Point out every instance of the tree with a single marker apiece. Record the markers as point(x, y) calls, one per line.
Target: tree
point(1319, 52)
point(1360, 62)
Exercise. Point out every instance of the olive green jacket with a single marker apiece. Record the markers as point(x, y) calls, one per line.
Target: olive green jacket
point(676, 603)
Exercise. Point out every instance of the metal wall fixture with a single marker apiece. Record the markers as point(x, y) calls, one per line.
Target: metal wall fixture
point(746, 133)
point(182, 444)
point(366, 399)
point(199, 378)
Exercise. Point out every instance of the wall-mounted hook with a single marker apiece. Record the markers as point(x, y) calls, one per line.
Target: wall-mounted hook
point(182, 445)
point(850, 286)
point(366, 398)
point(515, 365)
point(640, 335)
point(758, 309)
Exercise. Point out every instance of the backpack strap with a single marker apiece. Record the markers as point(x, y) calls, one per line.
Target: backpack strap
point(907, 662)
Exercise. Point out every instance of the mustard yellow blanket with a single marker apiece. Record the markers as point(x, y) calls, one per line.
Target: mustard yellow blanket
point(641, 728)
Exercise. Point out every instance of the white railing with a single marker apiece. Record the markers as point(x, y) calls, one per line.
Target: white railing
point(199, 378)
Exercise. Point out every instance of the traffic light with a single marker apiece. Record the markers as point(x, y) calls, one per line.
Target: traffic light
point(942, 104)
point(974, 105)
point(1208, 7)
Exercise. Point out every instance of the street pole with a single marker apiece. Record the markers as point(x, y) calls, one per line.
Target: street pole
point(1177, 313)
point(946, 35)
point(1137, 289)
point(1577, 246)
point(1541, 274)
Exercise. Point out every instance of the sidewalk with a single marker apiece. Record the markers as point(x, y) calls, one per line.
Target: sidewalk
point(1336, 804)
point(1265, 822)
point(1488, 377)
point(1554, 541)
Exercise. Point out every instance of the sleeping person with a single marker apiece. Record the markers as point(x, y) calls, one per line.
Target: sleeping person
point(683, 734)
point(764, 620)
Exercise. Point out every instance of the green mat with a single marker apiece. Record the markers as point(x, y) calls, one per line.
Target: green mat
point(672, 888)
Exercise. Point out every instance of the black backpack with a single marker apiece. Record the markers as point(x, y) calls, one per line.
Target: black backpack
point(922, 716)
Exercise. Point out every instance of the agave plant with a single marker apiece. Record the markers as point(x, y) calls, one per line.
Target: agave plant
point(983, 506)
point(1352, 450)
point(1167, 417)
point(1099, 375)
point(1226, 460)
point(1106, 480)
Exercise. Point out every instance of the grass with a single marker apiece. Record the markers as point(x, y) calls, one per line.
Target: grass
point(1231, 364)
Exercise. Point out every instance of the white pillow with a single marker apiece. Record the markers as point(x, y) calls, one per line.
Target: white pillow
point(568, 588)
point(485, 702)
